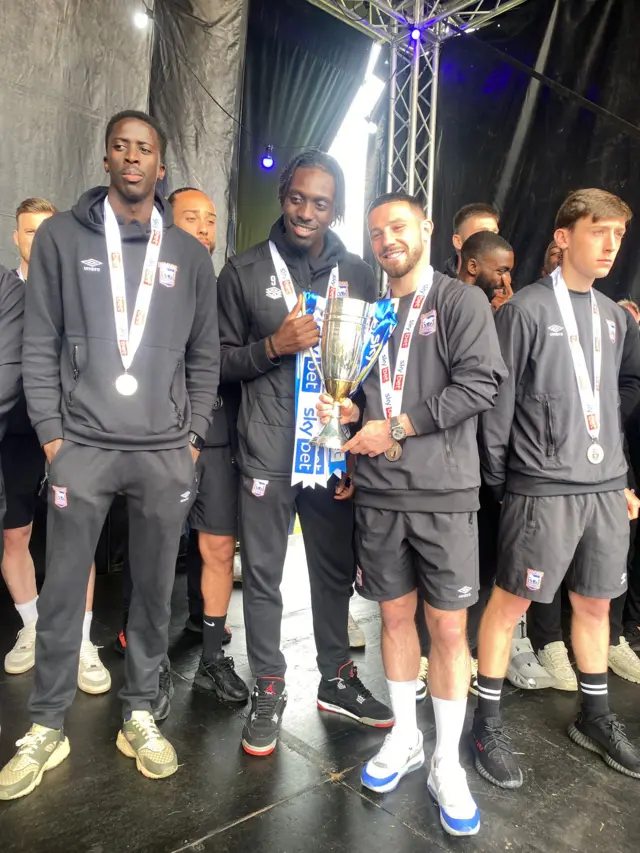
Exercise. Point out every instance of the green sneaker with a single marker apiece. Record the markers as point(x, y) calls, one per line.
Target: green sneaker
point(139, 738)
point(39, 750)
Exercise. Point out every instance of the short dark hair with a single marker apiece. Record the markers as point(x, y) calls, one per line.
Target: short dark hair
point(481, 244)
point(34, 205)
point(173, 195)
point(399, 196)
point(598, 204)
point(139, 116)
point(471, 210)
point(313, 158)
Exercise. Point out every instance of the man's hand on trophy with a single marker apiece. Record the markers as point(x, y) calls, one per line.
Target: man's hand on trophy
point(349, 412)
point(372, 440)
point(297, 333)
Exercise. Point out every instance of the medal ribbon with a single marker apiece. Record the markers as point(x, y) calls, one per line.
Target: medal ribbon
point(129, 338)
point(391, 392)
point(589, 396)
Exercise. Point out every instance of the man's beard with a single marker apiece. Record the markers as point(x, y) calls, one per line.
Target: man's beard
point(487, 287)
point(412, 258)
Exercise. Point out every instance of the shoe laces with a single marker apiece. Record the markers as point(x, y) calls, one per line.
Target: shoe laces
point(266, 703)
point(89, 655)
point(147, 726)
point(221, 664)
point(354, 681)
point(423, 672)
point(558, 654)
point(616, 731)
point(164, 679)
point(626, 651)
point(33, 739)
point(497, 738)
point(26, 636)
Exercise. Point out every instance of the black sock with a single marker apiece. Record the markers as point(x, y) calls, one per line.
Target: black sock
point(489, 690)
point(212, 634)
point(594, 694)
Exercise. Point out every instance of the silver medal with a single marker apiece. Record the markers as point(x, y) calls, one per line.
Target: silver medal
point(126, 385)
point(394, 452)
point(595, 454)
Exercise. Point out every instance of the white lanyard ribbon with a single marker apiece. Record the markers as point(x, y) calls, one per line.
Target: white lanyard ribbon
point(589, 396)
point(311, 465)
point(392, 388)
point(129, 338)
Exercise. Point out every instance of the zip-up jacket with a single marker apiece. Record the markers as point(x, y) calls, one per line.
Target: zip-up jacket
point(71, 359)
point(252, 308)
point(11, 327)
point(535, 441)
point(453, 374)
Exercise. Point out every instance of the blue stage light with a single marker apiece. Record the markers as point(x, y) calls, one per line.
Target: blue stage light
point(267, 158)
point(415, 34)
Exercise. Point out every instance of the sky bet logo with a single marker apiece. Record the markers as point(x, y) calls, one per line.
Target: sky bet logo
point(311, 382)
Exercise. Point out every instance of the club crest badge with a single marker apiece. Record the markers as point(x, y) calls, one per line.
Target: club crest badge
point(428, 322)
point(534, 579)
point(167, 274)
point(60, 496)
point(611, 326)
point(259, 487)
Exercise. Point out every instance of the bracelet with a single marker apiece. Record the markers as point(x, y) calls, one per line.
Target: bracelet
point(271, 350)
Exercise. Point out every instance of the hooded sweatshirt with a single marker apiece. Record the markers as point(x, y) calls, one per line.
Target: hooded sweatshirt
point(71, 359)
point(252, 308)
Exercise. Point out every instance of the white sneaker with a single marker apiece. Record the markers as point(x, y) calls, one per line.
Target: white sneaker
point(383, 772)
point(447, 785)
point(237, 569)
point(554, 657)
point(22, 656)
point(422, 682)
point(93, 676)
point(525, 670)
point(624, 661)
point(356, 634)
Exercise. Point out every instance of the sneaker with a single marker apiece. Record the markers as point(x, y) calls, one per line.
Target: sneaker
point(161, 706)
point(268, 701)
point(624, 661)
point(237, 569)
point(447, 785)
point(554, 657)
point(194, 623)
point(22, 656)
point(39, 750)
point(383, 772)
point(632, 634)
point(348, 696)
point(120, 643)
point(525, 670)
point(219, 676)
point(422, 682)
point(473, 681)
point(493, 757)
point(93, 676)
point(356, 634)
point(139, 738)
point(605, 735)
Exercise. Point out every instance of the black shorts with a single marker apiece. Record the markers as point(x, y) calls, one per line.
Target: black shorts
point(542, 539)
point(216, 507)
point(435, 552)
point(23, 462)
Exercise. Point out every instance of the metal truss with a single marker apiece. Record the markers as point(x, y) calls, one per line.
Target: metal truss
point(413, 79)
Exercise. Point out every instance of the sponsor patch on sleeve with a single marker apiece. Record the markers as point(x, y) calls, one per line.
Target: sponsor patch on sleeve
point(428, 322)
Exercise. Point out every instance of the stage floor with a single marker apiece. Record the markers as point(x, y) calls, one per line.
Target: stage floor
point(306, 797)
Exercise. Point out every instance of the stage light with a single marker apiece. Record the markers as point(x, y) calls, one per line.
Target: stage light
point(471, 29)
point(415, 34)
point(141, 20)
point(267, 158)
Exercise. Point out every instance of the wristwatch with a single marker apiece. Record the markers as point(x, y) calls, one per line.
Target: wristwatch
point(196, 441)
point(398, 432)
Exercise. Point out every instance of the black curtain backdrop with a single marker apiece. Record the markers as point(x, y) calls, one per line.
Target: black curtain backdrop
point(502, 138)
point(302, 70)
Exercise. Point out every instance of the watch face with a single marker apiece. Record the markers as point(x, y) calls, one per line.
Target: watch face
point(398, 433)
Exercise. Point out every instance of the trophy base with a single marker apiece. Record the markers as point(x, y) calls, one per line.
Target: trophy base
point(331, 436)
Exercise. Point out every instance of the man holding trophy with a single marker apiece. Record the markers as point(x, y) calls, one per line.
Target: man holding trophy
point(417, 477)
point(266, 345)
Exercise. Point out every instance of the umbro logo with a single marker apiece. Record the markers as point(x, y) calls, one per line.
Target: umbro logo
point(184, 497)
point(464, 592)
point(273, 292)
point(556, 331)
point(623, 579)
point(91, 265)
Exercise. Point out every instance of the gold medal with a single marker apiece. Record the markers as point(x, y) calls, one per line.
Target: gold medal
point(394, 452)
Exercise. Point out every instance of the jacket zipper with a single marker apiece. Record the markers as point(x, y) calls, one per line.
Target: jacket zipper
point(447, 445)
point(76, 372)
point(171, 397)
point(551, 448)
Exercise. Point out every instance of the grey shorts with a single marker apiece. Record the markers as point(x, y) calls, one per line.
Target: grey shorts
point(216, 507)
point(399, 552)
point(583, 537)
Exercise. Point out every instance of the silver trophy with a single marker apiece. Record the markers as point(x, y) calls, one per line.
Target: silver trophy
point(345, 332)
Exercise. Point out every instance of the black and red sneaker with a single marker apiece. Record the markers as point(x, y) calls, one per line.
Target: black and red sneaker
point(261, 731)
point(348, 696)
point(120, 642)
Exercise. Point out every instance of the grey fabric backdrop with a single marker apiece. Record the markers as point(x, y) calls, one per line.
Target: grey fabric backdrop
point(67, 65)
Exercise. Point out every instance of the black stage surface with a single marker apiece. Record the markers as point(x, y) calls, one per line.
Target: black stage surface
point(306, 797)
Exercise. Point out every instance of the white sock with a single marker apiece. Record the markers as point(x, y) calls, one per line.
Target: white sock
point(403, 703)
point(28, 612)
point(449, 714)
point(86, 626)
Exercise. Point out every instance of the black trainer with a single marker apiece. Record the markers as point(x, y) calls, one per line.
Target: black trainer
point(494, 759)
point(348, 696)
point(219, 676)
point(605, 736)
point(261, 731)
point(161, 706)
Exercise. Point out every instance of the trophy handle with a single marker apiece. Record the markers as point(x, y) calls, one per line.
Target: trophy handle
point(331, 434)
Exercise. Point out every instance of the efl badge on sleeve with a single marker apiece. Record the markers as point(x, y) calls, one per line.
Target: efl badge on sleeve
point(534, 580)
point(611, 325)
point(167, 274)
point(428, 323)
point(60, 496)
point(259, 487)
